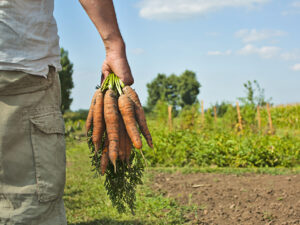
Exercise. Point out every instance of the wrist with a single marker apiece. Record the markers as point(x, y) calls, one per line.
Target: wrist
point(115, 46)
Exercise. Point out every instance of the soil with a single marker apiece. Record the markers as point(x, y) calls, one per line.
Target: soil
point(234, 199)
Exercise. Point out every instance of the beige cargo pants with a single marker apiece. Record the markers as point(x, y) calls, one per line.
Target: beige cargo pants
point(32, 150)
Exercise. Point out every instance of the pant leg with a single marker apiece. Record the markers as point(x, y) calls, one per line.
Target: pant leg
point(32, 149)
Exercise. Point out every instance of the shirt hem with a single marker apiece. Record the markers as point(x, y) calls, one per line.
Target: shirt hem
point(42, 72)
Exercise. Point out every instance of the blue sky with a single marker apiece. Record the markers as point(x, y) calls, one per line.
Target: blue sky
point(226, 42)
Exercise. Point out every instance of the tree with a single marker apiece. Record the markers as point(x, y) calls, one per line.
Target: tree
point(188, 88)
point(156, 90)
point(177, 91)
point(254, 95)
point(66, 81)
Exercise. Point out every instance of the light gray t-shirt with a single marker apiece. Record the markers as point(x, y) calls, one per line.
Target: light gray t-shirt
point(28, 36)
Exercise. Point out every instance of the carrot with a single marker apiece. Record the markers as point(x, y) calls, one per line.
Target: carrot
point(128, 147)
point(111, 116)
point(89, 118)
point(104, 157)
point(140, 114)
point(126, 108)
point(122, 135)
point(98, 121)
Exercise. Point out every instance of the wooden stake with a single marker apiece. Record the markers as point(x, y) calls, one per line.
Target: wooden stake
point(215, 113)
point(270, 118)
point(202, 111)
point(239, 116)
point(258, 118)
point(170, 117)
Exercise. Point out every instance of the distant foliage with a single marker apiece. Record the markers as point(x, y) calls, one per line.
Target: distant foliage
point(222, 108)
point(160, 112)
point(190, 116)
point(287, 116)
point(66, 80)
point(177, 91)
point(80, 114)
point(255, 95)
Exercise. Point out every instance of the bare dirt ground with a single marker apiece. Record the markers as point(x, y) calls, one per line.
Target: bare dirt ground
point(234, 199)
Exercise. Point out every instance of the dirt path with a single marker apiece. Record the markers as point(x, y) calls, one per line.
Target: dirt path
point(235, 199)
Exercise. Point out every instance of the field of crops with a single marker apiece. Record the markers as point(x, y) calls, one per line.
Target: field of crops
point(191, 144)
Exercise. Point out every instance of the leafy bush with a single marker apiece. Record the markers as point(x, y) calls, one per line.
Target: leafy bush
point(190, 116)
point(222, 149)
point(77, 115)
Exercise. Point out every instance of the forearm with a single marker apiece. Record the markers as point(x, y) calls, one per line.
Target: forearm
point(102, 14)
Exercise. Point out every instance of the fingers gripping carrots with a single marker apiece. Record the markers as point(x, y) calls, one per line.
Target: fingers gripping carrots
point(116, 109)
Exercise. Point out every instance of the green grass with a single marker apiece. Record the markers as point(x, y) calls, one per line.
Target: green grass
point(87, 203)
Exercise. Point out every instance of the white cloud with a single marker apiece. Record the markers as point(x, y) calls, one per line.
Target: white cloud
point(219, 53)
point(268, 52)
point(296, 67)
point(257, 35)
point(138, 51)
point(296, 4)
point(264, 52)
point(294, 8)
point(180, 9)
point(288, 56)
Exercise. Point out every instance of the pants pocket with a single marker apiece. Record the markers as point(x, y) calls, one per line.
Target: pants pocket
point(17, 83)
point(47, 137)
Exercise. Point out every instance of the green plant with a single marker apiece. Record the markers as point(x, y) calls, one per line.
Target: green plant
point(222, 148)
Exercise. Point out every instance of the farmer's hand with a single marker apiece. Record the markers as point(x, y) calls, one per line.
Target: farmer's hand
point(116, 62)
point(102, 13)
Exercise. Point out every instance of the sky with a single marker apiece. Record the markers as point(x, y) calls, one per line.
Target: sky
point(225, 42)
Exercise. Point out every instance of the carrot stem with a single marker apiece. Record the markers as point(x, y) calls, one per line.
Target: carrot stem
point(122, 84)
point(105, 84)
point(112, 81)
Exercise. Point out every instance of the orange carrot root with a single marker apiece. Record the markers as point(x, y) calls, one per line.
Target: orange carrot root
point(111, 116)
point(89, 119)
point(128, 147)
point(98, 121)
point(126, 108)
point(104, 157)
point(122, 135)
point(140, 114)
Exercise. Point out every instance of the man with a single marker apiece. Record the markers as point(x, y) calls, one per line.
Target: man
point(32, 148)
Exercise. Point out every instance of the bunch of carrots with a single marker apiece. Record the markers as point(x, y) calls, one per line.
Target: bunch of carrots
point(113, 117)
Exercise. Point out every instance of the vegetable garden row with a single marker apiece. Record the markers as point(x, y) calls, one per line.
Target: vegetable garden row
point(194, 143)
